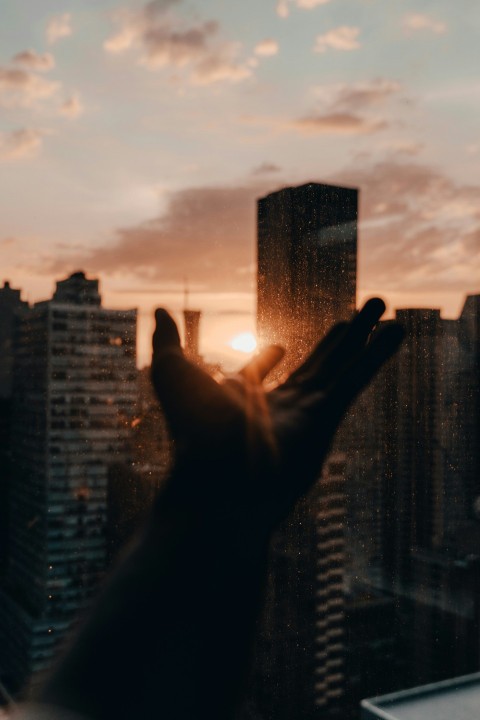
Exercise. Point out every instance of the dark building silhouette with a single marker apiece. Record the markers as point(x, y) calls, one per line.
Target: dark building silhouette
point(74, 392)
point(307, 249)
point(307, 262)
point(11, 305)
point(412, 497)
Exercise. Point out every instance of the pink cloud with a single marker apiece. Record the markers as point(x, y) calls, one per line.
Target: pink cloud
point(420, 21)
point(344, 38)
point(59, 27)
point(72, 107)
point(163, 40)
point(35, 61)
point(341, 123)
point(19, 144)
point(21, 88)
point(266, 48)
point(418, 229)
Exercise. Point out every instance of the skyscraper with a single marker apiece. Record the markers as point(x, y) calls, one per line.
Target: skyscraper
point(73, 401)
point(425, 413)
point(11, 305)
point(307, 261)
point(307, 250)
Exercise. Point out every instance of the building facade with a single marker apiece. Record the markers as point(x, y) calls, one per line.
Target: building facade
point(307, 264)
point(307, 250)
point(74, 393)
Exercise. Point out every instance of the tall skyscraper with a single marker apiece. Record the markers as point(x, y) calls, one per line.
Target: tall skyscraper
point(307, 262)
point(307, 250)
point(11, 305)
point(425, 528)
point(73, 401)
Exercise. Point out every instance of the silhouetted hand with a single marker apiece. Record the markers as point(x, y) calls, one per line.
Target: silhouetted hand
point(243, 450)
point(171, 633)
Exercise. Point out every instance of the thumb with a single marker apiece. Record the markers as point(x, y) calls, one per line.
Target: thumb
point(187, 394)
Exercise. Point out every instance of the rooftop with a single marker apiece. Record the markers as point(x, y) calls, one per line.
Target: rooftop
point(457, 698)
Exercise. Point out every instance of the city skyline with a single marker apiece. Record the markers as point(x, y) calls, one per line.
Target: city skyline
point(393, 524)
point(140, 162)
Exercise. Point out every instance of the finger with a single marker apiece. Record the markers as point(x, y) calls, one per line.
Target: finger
point(311, 365)
point(166, 337)
point(349, 344)
point(257, 369)
point(364, 368)
point(184, 390)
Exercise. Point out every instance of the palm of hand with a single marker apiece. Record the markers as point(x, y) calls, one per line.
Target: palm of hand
point(245, 449)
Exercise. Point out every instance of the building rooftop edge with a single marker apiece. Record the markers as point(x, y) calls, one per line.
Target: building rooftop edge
point(383, 702)
point(304, 185)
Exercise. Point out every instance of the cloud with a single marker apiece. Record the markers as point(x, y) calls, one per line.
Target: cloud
point(7, 241)
point(35, 61)
point(310, 4)
point(20, 88)
point(405, 147)
point(164, 40)
point(19, 144)
point(356, 97)
point(58, 27)
point(419, 229)
point(419, 21)
point(349, 109)
point(72, 107)
point(266, 168)
point(283, 9)
point(266, 48)
point(205, 234)
point(341, 38)
point(342, 123)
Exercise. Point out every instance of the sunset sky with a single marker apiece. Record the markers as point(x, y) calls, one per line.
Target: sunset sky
point(135, 138)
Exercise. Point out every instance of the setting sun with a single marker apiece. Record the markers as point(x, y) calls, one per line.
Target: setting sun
point(244, 342)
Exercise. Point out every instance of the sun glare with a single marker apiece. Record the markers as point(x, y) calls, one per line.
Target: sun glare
point(244, 342)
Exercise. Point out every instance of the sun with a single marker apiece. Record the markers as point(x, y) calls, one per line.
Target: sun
point(244, 342)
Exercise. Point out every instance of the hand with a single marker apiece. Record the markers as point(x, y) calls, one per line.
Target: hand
point(246, 451)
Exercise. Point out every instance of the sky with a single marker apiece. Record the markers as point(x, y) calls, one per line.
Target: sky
point(135, 138)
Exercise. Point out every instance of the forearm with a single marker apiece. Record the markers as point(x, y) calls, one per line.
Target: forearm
point(172, 630)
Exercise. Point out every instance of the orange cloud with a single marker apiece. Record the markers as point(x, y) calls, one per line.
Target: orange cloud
point(310, 4)
point(20, 88)
point(360, 96)
point(349, 109)
point(35, 61)
point(418, 230)
point(19, 144)
point(59, 27)
point(266, 48)
point(344, 37)
point(72, 107)
point(419, 21)
point(341, 123)
point(164, 40)
point(283, 9)
point(206, 234)
point(266, 168)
